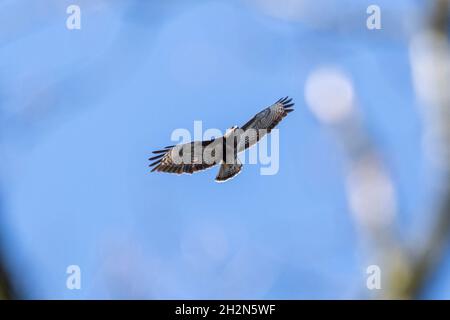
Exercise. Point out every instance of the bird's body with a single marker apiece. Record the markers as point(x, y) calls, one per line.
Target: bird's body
point(200, 155)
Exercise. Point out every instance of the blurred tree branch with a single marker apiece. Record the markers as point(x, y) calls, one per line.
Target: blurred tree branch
point(6, 291)
point(423, 265)
point(6, 287)
point(406, 266)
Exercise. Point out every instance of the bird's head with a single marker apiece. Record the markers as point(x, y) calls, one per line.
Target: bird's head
point(230, 131)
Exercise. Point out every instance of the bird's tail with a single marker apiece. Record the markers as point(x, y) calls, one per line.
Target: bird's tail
point(228, 171)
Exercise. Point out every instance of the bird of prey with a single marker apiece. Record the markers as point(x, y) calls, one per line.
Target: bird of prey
point(200, 155)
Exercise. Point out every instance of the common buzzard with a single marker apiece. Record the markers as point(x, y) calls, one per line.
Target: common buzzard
point(200, 155)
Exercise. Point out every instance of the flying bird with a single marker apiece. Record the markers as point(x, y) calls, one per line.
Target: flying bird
point(200, 155)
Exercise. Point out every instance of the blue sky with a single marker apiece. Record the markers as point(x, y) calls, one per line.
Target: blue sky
point(82, 110)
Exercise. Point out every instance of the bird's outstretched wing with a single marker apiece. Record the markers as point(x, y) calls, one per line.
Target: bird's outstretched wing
point(185, 158)
point(264, 121)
